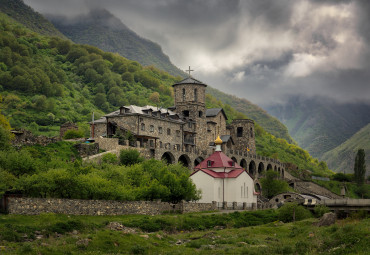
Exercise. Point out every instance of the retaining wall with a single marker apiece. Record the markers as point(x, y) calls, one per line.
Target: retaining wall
point(35, 206)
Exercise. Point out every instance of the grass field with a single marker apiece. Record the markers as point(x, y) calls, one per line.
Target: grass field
point(180, 234)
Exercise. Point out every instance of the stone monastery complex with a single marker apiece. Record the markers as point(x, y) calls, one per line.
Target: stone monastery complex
point(185, 132)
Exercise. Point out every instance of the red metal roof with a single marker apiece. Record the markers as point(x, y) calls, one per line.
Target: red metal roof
point(232, 174)
point(218, 160)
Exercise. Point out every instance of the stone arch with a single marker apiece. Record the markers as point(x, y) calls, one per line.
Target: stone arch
point(269, 167)
point(198, 160)
point(168, 157)
point(282, 172)
point(243, 163)
point(252, 168)
point(185, 160)
point(279, 170)
point(257, 187)
point(261, 168)
point(234, 159)
point(275, 168)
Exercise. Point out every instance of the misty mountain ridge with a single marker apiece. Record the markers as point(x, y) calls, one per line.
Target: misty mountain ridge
point(342, 158)
point(101, 29)
point(320, 124)
point(22, 13)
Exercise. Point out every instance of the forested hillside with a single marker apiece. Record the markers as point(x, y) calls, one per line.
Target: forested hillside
point(320, 125)
point(342, 158)
point(46, 81)
point(103, 30)
point(25, 15)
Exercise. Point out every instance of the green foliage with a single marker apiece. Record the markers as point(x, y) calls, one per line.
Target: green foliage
point(5, 137)
point(363, 191)
point(130, 157)
point(320, 210)
point(72, 134)
point(342, 177)
point(109, 158)
point(291, 211)
point(272, 186)
point(360, 167)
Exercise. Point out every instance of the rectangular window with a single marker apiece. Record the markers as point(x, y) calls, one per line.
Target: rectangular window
point(239, 132)
point(151, 143)
point(178, 133)
point(168, 131)
point(142, 126)
point(160, 130)
point(151, 128)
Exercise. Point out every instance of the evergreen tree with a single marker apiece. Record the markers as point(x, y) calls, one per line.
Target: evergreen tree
point(360, 166)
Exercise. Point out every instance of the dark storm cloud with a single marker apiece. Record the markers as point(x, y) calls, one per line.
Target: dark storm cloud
point(263, 50)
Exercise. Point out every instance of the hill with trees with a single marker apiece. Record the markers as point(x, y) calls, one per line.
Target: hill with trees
point(47, 81)
point(320, 125)
point(25, 15)
point(103, 30)
point(342, 158)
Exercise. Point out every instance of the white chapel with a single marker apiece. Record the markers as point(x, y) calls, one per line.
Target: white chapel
point(222, 180)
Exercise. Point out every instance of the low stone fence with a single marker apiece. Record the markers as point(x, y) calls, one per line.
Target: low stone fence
point(35, 206)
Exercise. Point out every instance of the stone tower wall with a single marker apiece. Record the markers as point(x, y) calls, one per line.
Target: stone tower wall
point(196, 107)
point(248, 135)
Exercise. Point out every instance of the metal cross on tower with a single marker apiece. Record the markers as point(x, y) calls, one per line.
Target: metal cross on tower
point(189, 71)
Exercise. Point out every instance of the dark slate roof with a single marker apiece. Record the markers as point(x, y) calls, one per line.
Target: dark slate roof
point(212, 112)
point(226, 138)
point(190, 80)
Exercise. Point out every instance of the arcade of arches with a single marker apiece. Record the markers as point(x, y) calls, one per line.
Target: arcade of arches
point(255, 165)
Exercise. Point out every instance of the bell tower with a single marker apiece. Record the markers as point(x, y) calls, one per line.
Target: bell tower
point(190, 97)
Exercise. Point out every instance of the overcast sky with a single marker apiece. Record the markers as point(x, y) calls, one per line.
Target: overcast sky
point(263, 50)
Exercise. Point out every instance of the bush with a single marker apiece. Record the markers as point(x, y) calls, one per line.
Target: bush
point(320, 210)
point(109, 158)
point(72, 134)
point(130, 157)
point(342, 177)
point(286, 212)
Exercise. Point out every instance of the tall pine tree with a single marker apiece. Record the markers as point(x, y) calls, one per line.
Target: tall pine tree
point(360, 166)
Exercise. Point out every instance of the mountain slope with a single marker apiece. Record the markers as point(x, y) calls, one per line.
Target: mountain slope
point(103, 30)
point(25, 15)
point(252, 111)
point(319, 125)
point(46, 81)
point(342, 158)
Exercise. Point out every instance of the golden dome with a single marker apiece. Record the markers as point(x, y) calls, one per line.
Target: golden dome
point(218, 141)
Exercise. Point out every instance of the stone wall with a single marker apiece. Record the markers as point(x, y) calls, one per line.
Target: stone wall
point(87, 149)
point(35, 206)
point(25, 137)
point(67, 126)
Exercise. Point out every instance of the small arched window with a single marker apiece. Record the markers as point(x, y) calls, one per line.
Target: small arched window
point(195, 95)
point(183, 94)
point(142, 126)
point(200, 114)
point(251, 132)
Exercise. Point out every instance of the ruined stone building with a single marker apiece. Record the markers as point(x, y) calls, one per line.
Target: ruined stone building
point(185, 132)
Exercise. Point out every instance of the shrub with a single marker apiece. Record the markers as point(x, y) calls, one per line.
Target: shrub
point(109, 158)
point(287, 211)
point(130, 157)
point(342, 177)
point(320, 210)
point(72, 134)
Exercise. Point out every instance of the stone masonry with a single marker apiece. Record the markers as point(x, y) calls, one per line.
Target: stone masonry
point(35, 206)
